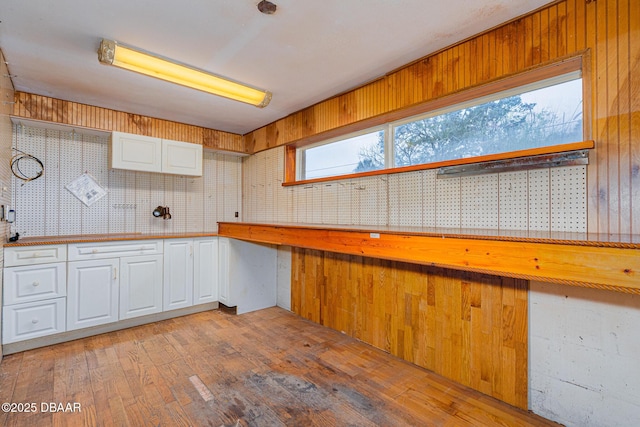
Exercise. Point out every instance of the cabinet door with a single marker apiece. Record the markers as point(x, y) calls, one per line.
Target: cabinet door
point(223, 272)
point(181, 158)
point(178, 274)
point(140, 285)
point(135, 152)
point(205, 271)
point(92, 293)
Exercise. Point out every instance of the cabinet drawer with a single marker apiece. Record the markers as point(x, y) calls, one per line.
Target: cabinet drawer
point(29, 255)
point(86, 251)
point(34, 283)
point(33, 319)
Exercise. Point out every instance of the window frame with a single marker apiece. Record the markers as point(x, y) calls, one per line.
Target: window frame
point(497, 88)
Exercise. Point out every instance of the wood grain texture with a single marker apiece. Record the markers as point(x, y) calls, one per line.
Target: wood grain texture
point(266, 368)
point(38, 107)
point(468, 327)
point(605, 32)
point(579, 264)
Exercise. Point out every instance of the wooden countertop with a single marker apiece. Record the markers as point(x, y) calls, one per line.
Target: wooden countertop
point(87, 238)
point(598, 261)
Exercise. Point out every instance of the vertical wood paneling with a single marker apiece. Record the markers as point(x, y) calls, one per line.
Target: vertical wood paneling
point(471, 328)
point(606, 31)
point(39, 107)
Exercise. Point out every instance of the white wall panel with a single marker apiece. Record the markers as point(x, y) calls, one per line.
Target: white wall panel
point(569, 199)
point(514, 200)
point(50, 209)
point(448, 203)
point(479, 202)
point(539, 214)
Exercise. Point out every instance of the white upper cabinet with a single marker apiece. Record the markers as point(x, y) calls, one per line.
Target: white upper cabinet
point(148, 154)
point(136, 152)
point(181, 158)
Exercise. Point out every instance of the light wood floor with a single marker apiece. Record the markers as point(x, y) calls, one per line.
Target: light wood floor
point(266, 368)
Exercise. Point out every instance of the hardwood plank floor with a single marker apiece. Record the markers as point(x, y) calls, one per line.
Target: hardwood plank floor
point(266, 368)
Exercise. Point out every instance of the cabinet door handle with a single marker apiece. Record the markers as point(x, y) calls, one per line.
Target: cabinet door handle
point(35, 320)
point(191, 249)
point(36, 283)
point(115, 273)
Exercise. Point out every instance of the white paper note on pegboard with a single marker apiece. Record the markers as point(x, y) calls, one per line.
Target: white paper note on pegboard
point(86, 189)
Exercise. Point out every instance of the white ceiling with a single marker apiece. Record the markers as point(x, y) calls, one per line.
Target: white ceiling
point(306, 52)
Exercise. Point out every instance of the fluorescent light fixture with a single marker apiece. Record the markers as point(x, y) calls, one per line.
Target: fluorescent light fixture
point(112, 53)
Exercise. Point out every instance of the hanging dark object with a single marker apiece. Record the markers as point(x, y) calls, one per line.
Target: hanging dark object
point(267, 7)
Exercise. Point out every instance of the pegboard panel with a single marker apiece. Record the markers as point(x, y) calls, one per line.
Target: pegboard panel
point(249, 194)
point(539, 210)
point(479, 201)
point(429, 198)
point(514, 200)
point(71, 167)
point(29, 206)
point(406, 191)
point(116, 195)
point(269, 182)
point(52, 184)
point(209, 183)
point(94, 154)
point(196, 203)
point(329, 205)
point(357, 188)
point(282, 194)
point(343, 190)
point(314, 207)
point(448, 203)
point(296, 211)
point(194, 214)
point(569, 199)
point(232, 187)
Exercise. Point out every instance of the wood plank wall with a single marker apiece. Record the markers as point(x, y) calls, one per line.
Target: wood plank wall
point(58, 111)
point(469, 327)
point(607, 31)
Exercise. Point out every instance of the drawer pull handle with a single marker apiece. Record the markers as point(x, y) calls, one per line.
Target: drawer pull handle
point(36, 283)
point(95, 251)
point(35, 321)
point(36, 254)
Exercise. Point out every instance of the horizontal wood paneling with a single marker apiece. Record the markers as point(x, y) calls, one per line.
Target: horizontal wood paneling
point(38, 107)
point(607, 31)
point(469, 327)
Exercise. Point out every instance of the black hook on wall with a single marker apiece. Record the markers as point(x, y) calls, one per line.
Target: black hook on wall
point(162, 211)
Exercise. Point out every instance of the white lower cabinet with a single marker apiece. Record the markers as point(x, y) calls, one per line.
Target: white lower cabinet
point(92, 293)
point(205, 270)
point(190, 272)
point(32, 320)
point(140, 285)
point(178, 273)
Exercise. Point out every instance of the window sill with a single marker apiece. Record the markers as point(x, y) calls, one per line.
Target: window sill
point(456, 162)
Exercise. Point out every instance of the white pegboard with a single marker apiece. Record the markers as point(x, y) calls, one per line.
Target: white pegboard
point(282, 193)
point(569, 199)
point(330, 203)
point(448, 203)
point(514, 200)
point(49, 209)
point(270, 171)
point(429, 198)
point(314, 207)
point(406, 201)
point(539, 214)
point(344, 202)
point(479, 202)
point(210, 189)
point(94, 151)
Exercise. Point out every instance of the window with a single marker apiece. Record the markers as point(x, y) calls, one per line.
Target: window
point(342, 156)
point(544, 113)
